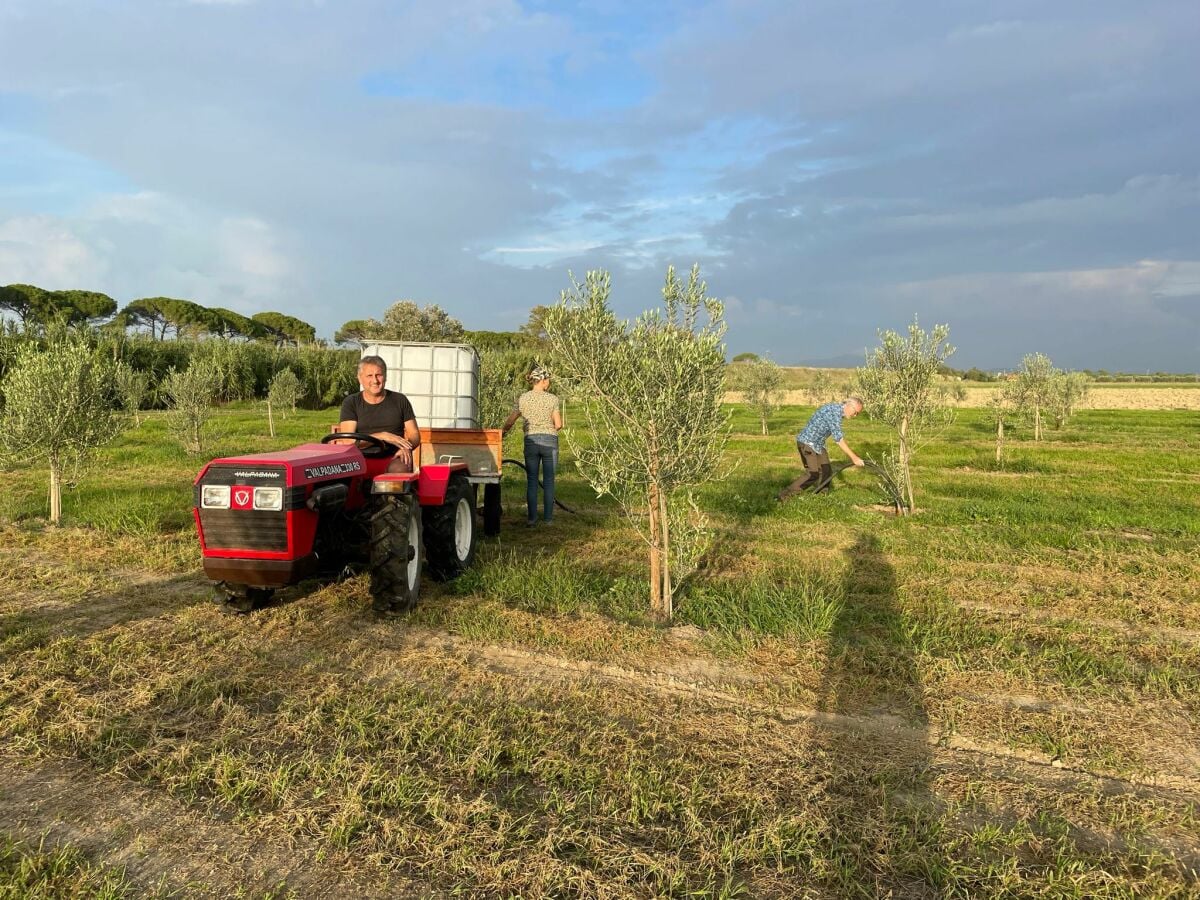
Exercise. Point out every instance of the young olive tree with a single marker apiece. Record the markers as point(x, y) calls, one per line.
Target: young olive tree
point(1001, 409)
point(900, 387)
point(820, 389)
point(1033, 391)
point(761, 382)
point(284, 392)
point(190, 395)
point(60, 405)
point(132, 388)
point(650, 393)
point(1068, 391)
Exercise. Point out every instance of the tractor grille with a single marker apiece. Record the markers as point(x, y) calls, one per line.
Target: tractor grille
point(247, 529)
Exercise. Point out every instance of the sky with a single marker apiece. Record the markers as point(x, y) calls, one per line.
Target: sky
point(1027, 172)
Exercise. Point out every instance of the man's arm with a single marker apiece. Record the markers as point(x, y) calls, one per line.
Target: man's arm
point(854, 457)
point(405, 443)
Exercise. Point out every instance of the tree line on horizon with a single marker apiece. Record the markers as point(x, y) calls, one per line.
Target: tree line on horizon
point(37, 308)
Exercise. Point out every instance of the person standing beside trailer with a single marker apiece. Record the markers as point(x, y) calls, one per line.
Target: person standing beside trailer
point(542, 413)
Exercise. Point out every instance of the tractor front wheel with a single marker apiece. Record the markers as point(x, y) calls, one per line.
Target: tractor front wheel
point(395, 564)
point(450, 534)
point(242, 598)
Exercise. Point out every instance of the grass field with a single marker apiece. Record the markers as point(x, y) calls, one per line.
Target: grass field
point(998, 697)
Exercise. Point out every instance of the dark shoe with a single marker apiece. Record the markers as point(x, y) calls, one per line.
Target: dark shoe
point(532, 523)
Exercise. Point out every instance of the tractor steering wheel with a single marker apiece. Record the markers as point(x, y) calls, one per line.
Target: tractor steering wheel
point(376, 443)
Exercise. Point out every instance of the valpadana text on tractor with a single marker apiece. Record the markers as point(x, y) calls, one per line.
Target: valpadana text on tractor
point(269, 520)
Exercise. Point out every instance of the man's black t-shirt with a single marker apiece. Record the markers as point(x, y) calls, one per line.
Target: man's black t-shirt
point(389, 414)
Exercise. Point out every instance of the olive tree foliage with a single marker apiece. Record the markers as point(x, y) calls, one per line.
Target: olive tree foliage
point(1068, 391)
point(650, 393)
point(761, 382)
point(1033, 390)
point(404, 321)
point(283, 395)
point(190, 394)
point(60, 405)
point(824, 388)
point(900, 387)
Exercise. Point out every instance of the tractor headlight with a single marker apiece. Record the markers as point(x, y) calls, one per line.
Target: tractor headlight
point(215, 496)
point(268, 498)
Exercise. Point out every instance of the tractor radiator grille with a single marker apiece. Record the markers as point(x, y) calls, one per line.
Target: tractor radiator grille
point(237, 529)
point(247, 529)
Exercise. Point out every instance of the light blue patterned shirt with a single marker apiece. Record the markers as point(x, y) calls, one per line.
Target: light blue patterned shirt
point(826, 422)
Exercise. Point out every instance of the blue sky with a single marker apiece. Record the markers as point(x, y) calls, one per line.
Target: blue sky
point(1027, 172)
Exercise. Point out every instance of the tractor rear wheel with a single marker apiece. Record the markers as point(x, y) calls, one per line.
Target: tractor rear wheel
point(395, 562)
point(450, 533)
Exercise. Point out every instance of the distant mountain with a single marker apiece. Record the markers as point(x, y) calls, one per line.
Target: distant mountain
point(844, 361)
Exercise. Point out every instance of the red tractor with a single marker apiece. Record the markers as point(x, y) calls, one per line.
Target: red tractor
point(268, 520)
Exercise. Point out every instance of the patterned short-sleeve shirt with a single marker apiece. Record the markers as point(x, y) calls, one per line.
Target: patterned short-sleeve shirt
point(537, 408)
point(826, 422)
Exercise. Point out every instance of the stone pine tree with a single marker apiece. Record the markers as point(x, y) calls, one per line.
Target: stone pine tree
point(650, 393)
point(60, 406)
point(900, 388)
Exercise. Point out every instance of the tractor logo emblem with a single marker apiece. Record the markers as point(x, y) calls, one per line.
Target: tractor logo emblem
point(242, 498)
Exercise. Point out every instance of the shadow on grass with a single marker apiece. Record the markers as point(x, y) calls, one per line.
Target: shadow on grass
point(88, 615)
point(880, 819)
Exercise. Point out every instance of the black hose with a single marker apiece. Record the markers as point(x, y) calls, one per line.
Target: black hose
point(557, 502)
point(889, 484)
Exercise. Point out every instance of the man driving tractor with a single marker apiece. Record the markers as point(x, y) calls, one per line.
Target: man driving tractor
point(387, 415)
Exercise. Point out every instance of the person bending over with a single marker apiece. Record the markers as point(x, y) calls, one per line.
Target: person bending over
point(387, 415)
point(825, 422)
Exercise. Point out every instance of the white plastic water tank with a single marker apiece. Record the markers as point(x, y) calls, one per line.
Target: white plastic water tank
point(440, 380)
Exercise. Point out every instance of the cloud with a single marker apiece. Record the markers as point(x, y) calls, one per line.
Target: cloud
point(831, 162)
point(41, 250)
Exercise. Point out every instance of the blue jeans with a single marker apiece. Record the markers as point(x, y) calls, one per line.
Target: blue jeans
point(540, 450)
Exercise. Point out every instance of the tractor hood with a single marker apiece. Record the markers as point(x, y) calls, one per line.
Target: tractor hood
point(306, 464)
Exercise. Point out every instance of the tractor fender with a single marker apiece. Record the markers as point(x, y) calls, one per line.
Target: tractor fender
point(433, 480)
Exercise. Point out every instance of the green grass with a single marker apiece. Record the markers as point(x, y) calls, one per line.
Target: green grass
point(847, 715)
point(53, 873)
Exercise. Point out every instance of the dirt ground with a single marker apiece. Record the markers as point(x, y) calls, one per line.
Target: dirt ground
point(205, 849)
